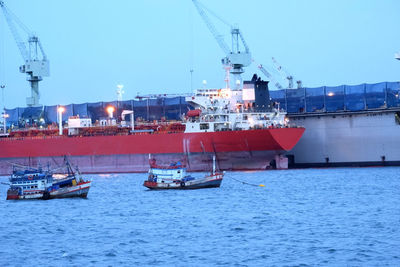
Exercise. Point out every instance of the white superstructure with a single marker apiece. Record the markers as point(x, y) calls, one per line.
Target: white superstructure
point(225, 110)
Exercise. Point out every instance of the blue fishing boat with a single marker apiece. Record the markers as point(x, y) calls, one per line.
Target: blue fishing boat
point(37, 183)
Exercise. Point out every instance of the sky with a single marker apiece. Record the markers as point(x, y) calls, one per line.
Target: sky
point(150, 46)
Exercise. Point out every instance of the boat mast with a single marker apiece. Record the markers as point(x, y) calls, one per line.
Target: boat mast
point(213, 164)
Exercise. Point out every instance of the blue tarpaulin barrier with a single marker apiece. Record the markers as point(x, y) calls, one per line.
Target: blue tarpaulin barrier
point(80, 110)
point(393, 94)
point(339, 98)
point(50, 114)
point(355, 97)
point(295, 100)
point(375, 95)
point(315, 99)
point(334, 98)
point(279, 96)
point(319, 99)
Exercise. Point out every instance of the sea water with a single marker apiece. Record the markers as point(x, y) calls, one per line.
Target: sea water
point(304, 217)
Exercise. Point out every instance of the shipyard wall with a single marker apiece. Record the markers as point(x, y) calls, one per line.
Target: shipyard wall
point(347, 125)
point(348, 139)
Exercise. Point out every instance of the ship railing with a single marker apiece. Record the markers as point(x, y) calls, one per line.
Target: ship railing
point(41, 137)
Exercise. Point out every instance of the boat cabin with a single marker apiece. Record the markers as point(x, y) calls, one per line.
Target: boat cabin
point(167, 174)
point(30, 180)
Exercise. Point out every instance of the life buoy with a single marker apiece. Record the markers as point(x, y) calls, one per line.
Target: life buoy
point(183, 184)
point(30, 177)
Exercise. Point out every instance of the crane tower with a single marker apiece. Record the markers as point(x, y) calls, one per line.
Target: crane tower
point(36, 64)
point(234, 59)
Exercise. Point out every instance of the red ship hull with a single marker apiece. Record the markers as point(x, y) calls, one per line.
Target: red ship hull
point(235, 150)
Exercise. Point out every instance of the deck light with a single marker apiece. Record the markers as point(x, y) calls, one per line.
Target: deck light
point(5, 116)
point(110, 110)
point(60, 111)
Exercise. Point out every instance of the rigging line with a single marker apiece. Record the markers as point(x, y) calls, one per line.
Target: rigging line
point(186, 151)
point(215, 15)
point(192, 42)
point(215, 153)
point(2, 61)
point(204, 153)
point(261, 185)
point(30, 167)
point(16, 164)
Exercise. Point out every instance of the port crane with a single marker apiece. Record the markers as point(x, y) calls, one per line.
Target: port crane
point(269, 76)
point(36, 64)
point(235, 58)
point(286, 74)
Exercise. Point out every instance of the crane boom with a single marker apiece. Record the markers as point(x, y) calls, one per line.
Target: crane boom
point(218, 37)
point(244, 43)
point(234, 60)
point(33, 66)
point(287, 75)
point(270, 77)
point(9, 18)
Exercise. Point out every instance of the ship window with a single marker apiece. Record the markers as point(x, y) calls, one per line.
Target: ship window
point(204, 126)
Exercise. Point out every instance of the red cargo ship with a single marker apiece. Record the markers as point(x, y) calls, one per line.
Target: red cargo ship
point(241, 137)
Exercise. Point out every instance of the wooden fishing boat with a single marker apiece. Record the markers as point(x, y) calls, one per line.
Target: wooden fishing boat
point(174, 176)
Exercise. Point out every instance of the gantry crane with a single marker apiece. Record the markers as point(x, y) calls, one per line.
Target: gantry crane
point(234, 59)
point(34, 66)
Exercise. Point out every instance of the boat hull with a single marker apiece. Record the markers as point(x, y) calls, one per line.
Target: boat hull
point(80, 190)
point(194, 184)
point(13, 195)
point(235, 150)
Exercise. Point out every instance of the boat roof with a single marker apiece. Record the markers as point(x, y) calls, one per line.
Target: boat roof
point(171, 166)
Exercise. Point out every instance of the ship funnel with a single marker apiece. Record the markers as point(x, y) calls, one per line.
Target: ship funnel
point(261, 93)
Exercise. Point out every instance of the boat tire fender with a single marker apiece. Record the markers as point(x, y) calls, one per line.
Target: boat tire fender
point(183, 184)
point(46, 195)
